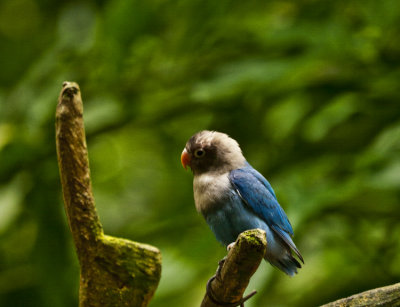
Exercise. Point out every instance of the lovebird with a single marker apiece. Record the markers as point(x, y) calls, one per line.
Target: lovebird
point(233, 197)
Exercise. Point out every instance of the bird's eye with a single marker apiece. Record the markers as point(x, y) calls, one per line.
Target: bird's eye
point(199, 153)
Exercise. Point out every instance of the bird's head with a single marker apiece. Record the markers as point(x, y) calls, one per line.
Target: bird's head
point(211, 151)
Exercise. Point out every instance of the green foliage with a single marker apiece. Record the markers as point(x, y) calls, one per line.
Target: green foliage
point(308, 88)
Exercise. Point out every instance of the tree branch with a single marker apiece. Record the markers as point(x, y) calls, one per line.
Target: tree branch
point(233, 277)
point(114, 271)
point(385, 296)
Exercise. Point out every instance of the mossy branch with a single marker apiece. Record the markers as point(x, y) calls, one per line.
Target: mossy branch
point(114, 271)
point(385, 296)
point(233, 277)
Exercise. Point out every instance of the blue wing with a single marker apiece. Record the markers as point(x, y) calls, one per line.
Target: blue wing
point(257, 193)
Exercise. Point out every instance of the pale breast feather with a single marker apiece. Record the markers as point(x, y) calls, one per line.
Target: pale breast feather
point(210, 190)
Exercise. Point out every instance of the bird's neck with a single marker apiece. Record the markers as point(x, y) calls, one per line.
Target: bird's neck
point(210, 190)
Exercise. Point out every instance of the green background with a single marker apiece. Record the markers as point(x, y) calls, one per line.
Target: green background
point(310, 89)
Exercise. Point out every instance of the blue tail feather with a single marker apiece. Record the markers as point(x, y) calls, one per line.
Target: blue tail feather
point(287, 264)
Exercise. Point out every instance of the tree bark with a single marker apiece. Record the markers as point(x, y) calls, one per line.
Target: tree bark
point(234, 275)
point(113, 271)
point(385, 296)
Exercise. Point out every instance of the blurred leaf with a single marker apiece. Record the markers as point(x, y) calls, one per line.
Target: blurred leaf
point(331, 115)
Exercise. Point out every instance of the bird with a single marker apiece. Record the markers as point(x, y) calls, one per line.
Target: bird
point(233, 197)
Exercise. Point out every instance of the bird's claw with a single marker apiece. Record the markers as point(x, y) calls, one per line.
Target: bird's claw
point(219, 269)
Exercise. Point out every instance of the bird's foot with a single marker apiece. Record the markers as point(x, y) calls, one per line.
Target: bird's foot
point(230, 246)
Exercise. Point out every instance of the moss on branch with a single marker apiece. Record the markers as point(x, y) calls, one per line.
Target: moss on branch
point(114, 271)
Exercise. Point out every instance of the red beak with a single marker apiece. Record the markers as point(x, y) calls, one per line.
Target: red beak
point(185, 158)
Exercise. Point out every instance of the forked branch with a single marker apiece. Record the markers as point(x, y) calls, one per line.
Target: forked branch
point(114, 271)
